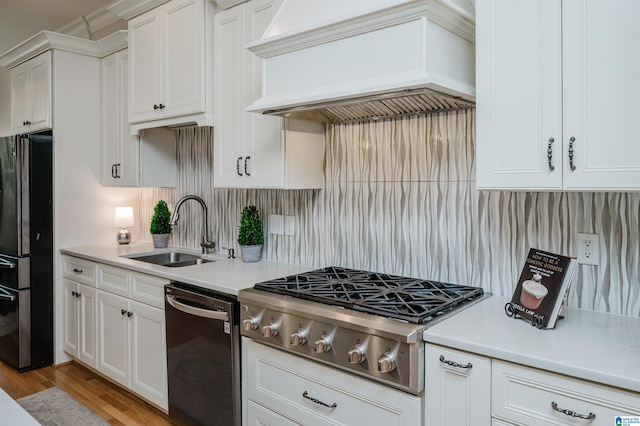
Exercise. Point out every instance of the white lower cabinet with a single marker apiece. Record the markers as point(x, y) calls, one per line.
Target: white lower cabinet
point(80, 305)
point(131, 338)
point(458, 387)
point(118, 328)
point(288, 389)
point(469, 389)
point(528, 396)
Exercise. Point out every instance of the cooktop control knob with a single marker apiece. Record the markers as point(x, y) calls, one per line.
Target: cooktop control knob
point(270, 330)
point(323, 344)
point(251, 323)
point(298, 338)
point(357, 355)
point(386, 363)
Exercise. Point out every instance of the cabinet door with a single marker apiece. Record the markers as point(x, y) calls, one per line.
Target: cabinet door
point(19, 98)
point(264, 138)
point(148, 353)
point(31, 95)
point(120, 150)
point(459, 388)
point(40, 99)
point(87, 315)
point(229, 88)
point(145, 64)
point(601, 88)
point(519, 94)
point(113, 337)
point(70, 317)
point(183, 58)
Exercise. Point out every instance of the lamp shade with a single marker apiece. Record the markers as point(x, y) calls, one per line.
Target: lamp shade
point(123, 216)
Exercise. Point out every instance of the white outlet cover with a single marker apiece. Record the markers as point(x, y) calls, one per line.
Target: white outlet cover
point(593, 255)
point(276, 224)
point(289, 225)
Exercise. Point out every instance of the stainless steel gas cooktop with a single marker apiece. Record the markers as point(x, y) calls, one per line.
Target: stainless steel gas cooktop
point(408, 299)
point(366, 323)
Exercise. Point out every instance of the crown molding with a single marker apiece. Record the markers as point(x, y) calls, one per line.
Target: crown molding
point(46, 40)
point(127, 9)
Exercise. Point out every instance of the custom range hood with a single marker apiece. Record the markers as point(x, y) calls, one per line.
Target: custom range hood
point(354, 60)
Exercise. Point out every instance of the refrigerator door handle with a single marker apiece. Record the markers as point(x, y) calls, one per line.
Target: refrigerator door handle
point(6, 265)
point(7, 296)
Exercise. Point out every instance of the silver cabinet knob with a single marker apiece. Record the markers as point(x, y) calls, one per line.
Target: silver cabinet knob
point(323, 344)
point(357, 355)
point(270, 330)
point(251, 324)
point(298, 338)
point(386, 363)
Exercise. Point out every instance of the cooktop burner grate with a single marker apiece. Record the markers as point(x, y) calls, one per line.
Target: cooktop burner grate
point(408, 299)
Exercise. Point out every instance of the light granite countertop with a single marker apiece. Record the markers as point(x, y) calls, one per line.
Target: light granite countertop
point(223, 274)
point(589, 345)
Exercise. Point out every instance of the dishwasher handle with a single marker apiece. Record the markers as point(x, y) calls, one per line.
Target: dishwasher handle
point(192, 310)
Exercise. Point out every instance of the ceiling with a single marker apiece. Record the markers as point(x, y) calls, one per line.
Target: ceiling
point(20, 19)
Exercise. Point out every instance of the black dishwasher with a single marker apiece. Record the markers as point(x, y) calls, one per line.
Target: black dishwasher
point(203, 356)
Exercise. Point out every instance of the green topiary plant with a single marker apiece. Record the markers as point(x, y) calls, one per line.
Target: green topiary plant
point(250, 229)
point(161, 220)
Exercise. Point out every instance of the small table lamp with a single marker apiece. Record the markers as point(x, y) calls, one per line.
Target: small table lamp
point(123, 217)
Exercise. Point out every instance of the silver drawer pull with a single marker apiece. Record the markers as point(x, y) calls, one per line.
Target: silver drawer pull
point(454, 364)
point(317, 401)
point(589, 416)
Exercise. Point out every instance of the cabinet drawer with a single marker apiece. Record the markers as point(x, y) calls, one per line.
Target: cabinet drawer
point(148, 289)
point(79, 270)
point(114, 280)
point(525, 396)
point(285, 384)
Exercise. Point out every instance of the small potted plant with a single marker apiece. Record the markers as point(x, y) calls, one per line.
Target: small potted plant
point(250, 236)
point(160, 228)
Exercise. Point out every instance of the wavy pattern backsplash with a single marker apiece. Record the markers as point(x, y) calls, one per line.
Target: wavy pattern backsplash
point(400, 198)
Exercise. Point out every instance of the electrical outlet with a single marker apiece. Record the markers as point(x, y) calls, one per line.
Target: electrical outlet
point(276, 224)
point(289, 225)
point(588, 249)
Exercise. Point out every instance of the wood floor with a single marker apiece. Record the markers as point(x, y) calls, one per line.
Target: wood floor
point(112, 403)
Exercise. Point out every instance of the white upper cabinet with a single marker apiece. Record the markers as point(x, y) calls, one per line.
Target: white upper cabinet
point(119, 148)
point(31, 100)
point(556, 86)
point(148, 160)
point(170, 65)
point(254, 150)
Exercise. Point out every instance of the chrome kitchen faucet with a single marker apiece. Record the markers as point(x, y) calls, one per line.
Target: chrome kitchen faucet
point(207, 246)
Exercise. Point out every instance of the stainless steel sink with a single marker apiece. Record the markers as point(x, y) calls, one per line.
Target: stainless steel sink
point(172, 259)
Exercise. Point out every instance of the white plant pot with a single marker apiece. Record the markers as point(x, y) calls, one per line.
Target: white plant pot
point(251, 254)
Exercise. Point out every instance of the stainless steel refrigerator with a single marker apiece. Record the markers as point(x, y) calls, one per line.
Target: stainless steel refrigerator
point(26, 250)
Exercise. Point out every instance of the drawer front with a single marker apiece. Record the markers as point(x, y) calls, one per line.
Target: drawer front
point(79, 270)
point(257, 415)
point(293, 387)
point(148, 289)
point(525, 396)
point(114, 280)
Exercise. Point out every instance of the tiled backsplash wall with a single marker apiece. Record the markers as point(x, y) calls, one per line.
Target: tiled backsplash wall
point(400, 198)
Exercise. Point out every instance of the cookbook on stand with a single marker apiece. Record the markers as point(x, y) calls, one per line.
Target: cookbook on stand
point(542, 287)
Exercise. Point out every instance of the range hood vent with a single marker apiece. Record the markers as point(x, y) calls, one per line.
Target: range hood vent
point(405, 103)
point(367, 59)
